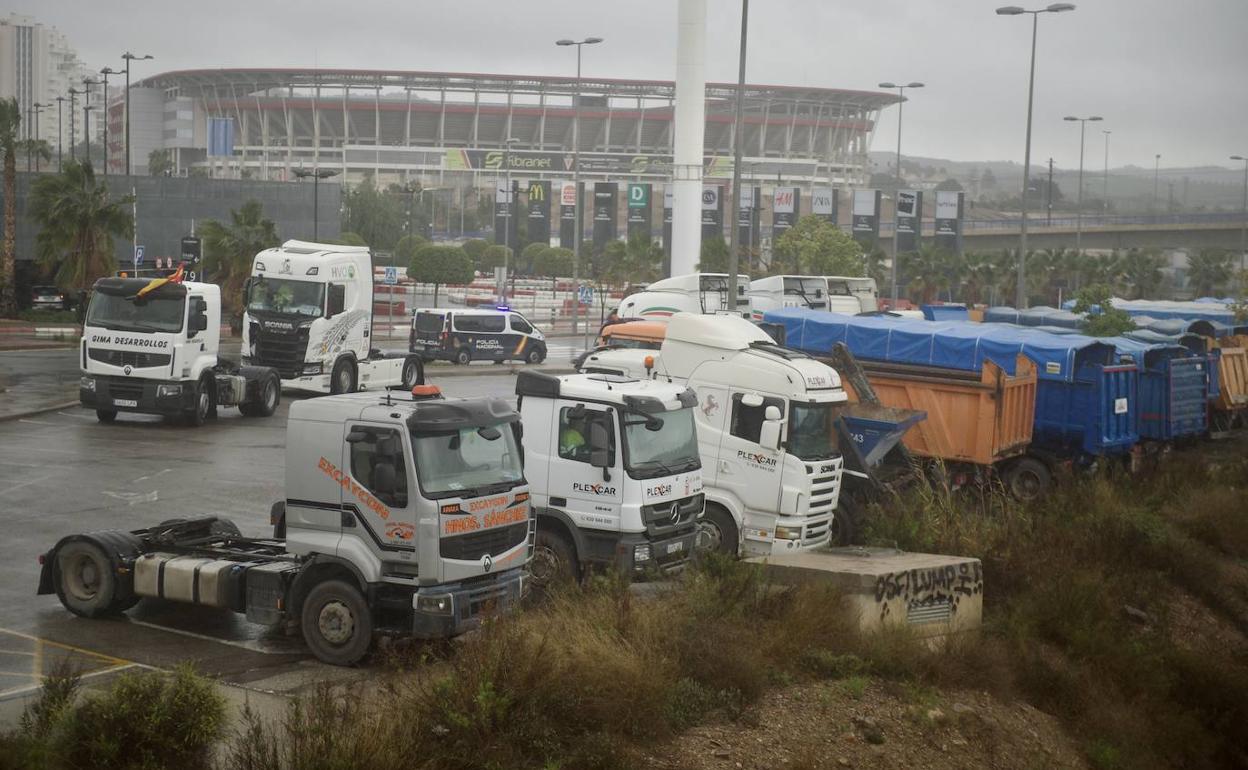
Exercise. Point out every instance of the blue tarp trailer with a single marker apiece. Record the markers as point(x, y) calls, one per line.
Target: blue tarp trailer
point(1174, 388)
point(1085, 398)
point(945, 313)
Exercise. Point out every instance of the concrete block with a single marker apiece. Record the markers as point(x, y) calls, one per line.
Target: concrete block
point(930, 594)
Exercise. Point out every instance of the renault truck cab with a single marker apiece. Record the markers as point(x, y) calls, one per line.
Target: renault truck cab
point(309, 315)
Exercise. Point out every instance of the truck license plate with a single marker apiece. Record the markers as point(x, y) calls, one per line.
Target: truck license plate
point(679, 545)
point(125, 402)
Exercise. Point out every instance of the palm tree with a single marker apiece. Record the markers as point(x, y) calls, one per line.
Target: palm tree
point(10, 118)
point(928, 270)
point(78, 221)
point(1141, 271)
point(229, 249)
point(981, 277)
point(35, 150)
point(1208, 269)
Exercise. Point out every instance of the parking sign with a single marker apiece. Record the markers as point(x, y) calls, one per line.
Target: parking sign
point(138, 256)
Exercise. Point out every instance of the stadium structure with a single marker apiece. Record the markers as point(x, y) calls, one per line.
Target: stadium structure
point(437, 127)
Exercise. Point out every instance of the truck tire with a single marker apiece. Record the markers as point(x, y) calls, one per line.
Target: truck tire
point(197, 415)
point(717, 531)
point(554, 559)
point(85, 580)
point(1028, 479)
point(463, 357)
point(337, 623)
point(106, 415)
point(413, 373)
point(268, 396)
point(343, 378)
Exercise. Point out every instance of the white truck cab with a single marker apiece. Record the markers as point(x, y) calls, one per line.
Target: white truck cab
point(852, 294)
point(309, 315)
point(691, 293)
point(615, 471)
point(836, 294)
point(151, 345)
point(765, 419)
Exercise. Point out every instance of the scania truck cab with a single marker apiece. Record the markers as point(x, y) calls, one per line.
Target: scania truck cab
point(309, 315)
point(403, 515)
point(765, 420)
point(691, 293)
point(150, 345)
point(616, 473)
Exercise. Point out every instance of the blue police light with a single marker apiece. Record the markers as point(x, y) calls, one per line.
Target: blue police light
point(503, 308)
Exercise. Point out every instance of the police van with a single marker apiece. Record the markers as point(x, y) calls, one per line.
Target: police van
point(462, 336)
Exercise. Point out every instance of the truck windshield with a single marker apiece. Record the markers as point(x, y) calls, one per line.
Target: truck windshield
point(467, 462)
point(160, 311)
point(811, 435)
point(670, 448)
point(284, 295)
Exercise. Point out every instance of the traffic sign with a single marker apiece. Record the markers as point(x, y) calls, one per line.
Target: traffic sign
point(192, 248)
point(138, 255)
point(392, 276)
point(586, 295)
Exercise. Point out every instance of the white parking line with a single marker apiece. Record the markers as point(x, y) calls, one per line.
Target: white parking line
point(18, 692)
point(249, 646)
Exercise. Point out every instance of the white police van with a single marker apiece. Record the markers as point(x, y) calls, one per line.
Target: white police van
point(494, 334)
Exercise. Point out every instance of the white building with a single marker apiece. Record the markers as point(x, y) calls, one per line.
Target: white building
point(37, 64)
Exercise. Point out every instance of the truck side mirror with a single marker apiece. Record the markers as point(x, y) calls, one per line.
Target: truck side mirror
point(384, 481)
point(199, 317)
point(337, 300)
point(599, 448)
point(769, 432)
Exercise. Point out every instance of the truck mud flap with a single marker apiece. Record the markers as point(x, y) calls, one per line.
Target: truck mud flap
point(122, 548)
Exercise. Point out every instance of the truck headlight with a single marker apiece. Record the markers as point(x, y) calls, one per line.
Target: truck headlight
point(641, 553)
point(168, 390)
point(317, 368)
point(788, 533)
point(435, 604)
point(87, 383)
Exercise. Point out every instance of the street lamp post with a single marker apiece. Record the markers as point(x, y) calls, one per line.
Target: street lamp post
point(73, 155)
point(106, 72)
point(86, 103)
point(1243, 231)
point(86, 127)
point(738, 143)
point(1156, 169)
point(37, 108)
point(1079, 197)
point(576, 171)
point(508, 203)
point(129, 57)
point(901, 92)
point(317, 175)
point(1014, 10)
point(60, 133)
point(1105, 182)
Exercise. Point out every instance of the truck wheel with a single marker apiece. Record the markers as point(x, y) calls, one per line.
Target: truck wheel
point(85, 581)
point(717, 531)
point(554, 559)
point(413, 373)
point(106, 415)
point(1028, 479)
point(463, 357)
point(534, 356)
point(846, 522)
point(336, 622)
point(198, 414)
point(343, 379)
point(269, 395)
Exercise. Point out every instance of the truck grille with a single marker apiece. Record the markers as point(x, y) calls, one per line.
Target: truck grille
point(658, 517)
point(473, 546)
point(284, 351)
point(127, 389)
point(128, 358)
point(825, 483)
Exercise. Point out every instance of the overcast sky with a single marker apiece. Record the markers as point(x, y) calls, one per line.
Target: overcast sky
point(1168, 77)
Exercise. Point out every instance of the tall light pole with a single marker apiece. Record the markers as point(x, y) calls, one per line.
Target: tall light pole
point(1014, 10)
point(106, 72)
point(508, 203)
point(1243, 232)
point(129, 57)
point(72, 106)
point(317, 175)
point(37, 108)
point(1083, 122)
point(576, 171)
point(901, 92)
point(86, 104)
point(1156, 169)
point(738, 143)
point(1105, 182)
point(60, 133)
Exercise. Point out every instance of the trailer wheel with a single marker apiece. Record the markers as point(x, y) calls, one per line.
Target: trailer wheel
point(269, 392)
point(106, 415)
point(336, 622)
point(85, 581)
point(197, 415)
point(1028, 479)
point(717, 531)
point(554, 559)
point(463, 357)
point(343, 378)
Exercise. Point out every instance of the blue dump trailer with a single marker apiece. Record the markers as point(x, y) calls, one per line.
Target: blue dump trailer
point(945, 313)
point(1086, 398)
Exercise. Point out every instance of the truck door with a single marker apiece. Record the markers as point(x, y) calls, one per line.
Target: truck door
point(592, 498)
point(376, 496)
point(745, 468)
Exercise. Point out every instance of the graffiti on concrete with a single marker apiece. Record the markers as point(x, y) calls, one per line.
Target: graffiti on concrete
point(929, 587)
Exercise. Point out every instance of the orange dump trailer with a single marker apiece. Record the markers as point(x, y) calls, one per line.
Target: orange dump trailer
point(1231, 405)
